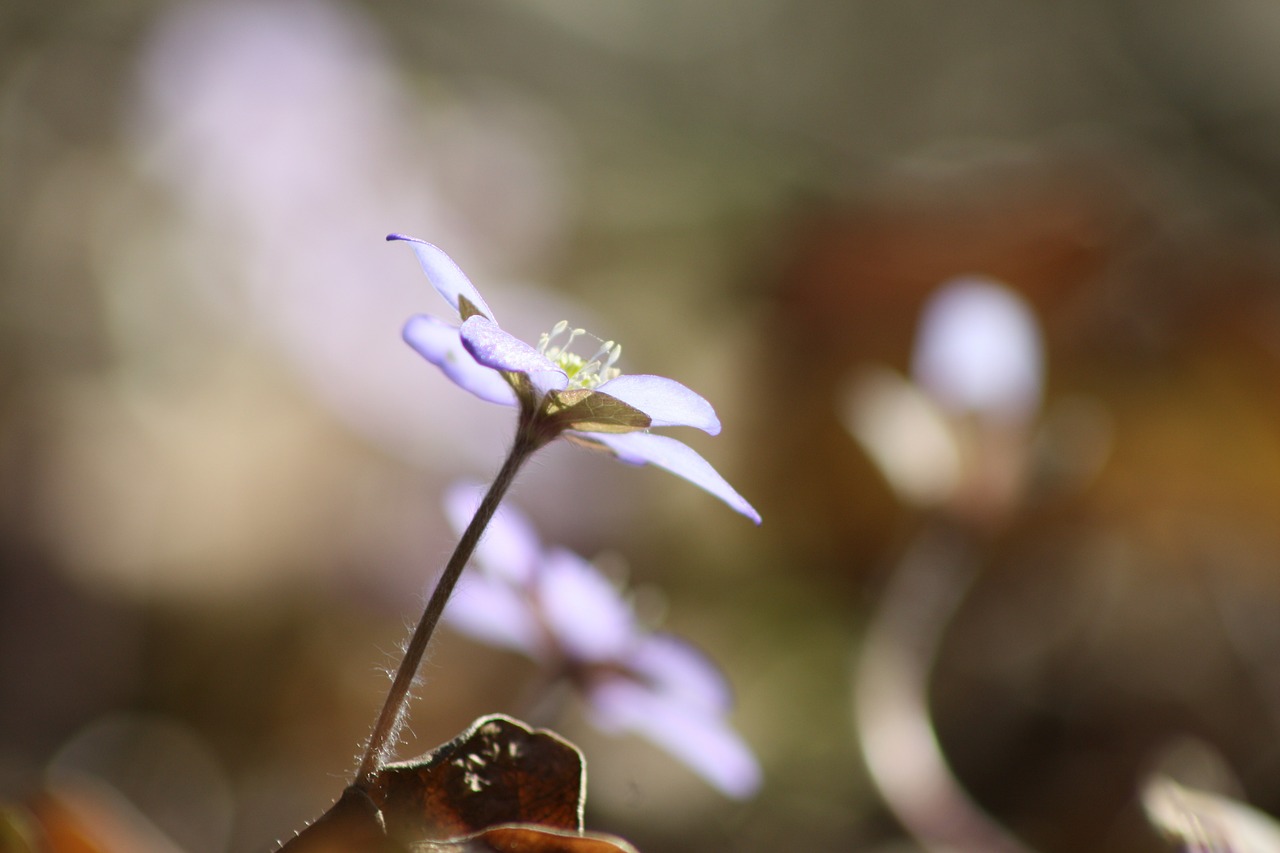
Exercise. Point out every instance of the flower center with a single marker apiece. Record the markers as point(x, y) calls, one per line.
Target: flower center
point(582, 372)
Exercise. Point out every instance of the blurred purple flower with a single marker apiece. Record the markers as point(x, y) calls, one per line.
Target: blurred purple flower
point(557, 608)
point(978, 371)
point(979, 350)
point(966, 433)
point(588, 400)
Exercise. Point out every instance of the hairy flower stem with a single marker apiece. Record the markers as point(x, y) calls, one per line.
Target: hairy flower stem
point(385, 732)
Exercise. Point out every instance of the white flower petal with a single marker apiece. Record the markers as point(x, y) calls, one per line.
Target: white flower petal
point(665, 401)
point(445, 276)
point(439, 343)
point(500, 350)
point(639, 448)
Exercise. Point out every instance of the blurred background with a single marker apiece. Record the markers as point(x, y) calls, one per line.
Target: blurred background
point(221, 469)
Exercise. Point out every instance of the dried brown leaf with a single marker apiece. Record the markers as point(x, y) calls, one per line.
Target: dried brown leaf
point(499, 787)
point(528, 839)
point(499, 771)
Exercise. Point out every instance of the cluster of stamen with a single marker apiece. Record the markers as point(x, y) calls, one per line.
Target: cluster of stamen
point(582, 372)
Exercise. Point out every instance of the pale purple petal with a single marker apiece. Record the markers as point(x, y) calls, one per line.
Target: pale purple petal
point(445, 275)
point(639, 448)
point(583, 610)
point(492, 611)
point(676, 669)
point(665, 401)
point(509, 548)
point(978, 349)
point(500, 350)
point(705, 742)
point(439, 343)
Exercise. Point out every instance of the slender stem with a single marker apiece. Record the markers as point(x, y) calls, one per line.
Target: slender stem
point(385, 731)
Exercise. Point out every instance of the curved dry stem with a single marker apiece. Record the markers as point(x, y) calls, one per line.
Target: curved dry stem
point(892, 718)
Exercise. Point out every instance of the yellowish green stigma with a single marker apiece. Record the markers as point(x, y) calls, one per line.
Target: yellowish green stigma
point(582, 372)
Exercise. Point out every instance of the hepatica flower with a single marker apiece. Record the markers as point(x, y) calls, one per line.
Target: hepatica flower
point(559, 389)
point(966, 432)
point(977, 368)
point(558, 609)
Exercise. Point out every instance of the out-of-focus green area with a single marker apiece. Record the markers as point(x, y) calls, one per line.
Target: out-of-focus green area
point(220, 467)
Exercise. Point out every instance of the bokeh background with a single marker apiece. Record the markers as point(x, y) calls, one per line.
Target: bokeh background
point(220, 468)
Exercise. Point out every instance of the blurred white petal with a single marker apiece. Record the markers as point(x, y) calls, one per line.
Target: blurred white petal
point(490, 610)
point(1203, 821)
point(705, 742)
point(676, 668)
point(978, 349)
point(509, 549)
point(584, 611)
point(905, 434)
